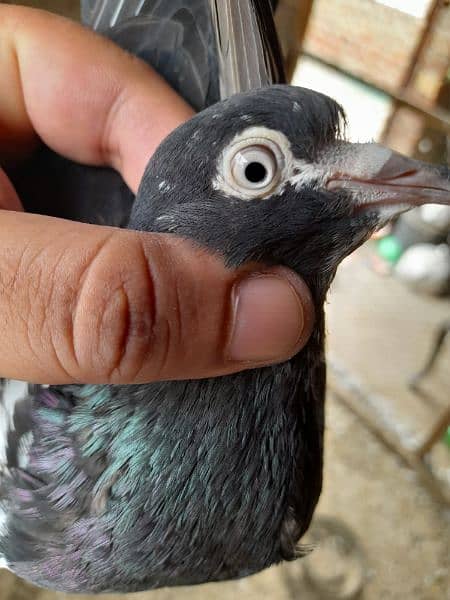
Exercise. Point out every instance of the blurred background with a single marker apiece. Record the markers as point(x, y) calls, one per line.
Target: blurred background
point(382, 529)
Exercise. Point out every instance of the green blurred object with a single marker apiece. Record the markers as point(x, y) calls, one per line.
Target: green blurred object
point(446, 438)
point(390, 248)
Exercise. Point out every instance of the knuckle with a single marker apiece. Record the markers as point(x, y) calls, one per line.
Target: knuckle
point(114, 313)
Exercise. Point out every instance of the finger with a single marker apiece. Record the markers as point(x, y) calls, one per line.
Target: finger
point(9, 199)
point(81, 303)
point(82, 95)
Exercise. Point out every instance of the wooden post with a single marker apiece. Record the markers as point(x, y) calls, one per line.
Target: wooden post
point(292, 18)
point(413, 65)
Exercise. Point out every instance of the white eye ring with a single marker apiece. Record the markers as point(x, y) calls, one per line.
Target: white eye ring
point(253, 167)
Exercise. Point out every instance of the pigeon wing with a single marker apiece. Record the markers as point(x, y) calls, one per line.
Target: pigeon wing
point(177, 38)
point(248, 51)
point(229, 46)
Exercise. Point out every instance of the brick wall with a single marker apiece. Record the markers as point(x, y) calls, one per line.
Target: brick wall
point(373, 41)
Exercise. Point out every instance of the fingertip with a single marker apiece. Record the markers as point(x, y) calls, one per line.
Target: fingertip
point(306, 301)
point(273, 317)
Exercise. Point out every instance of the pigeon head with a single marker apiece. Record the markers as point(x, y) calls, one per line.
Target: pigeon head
point(267, 176)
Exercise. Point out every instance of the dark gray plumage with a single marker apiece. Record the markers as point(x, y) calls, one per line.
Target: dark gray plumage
point(125, 488)
point(179, 39)
point(199, 46)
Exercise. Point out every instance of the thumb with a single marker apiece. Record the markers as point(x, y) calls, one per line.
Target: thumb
point(82, 303)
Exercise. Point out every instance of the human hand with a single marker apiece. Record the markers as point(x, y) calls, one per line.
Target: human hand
point(90, 304)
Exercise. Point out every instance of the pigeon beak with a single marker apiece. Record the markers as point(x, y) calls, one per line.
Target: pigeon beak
point(386, 182)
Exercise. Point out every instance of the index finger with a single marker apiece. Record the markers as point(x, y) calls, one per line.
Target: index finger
point(82, 95)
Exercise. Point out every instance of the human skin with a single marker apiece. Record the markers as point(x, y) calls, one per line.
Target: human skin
point(91, 304)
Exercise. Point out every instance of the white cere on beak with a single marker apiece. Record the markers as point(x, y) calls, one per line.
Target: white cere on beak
point(360, 160)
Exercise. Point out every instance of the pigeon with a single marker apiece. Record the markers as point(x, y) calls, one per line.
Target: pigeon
point(129, 488)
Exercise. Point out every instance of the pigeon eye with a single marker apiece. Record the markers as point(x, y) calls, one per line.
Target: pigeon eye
point(255, 165)
point(254, 168)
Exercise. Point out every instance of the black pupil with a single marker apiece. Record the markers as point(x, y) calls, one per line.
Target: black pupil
point(255, 172)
